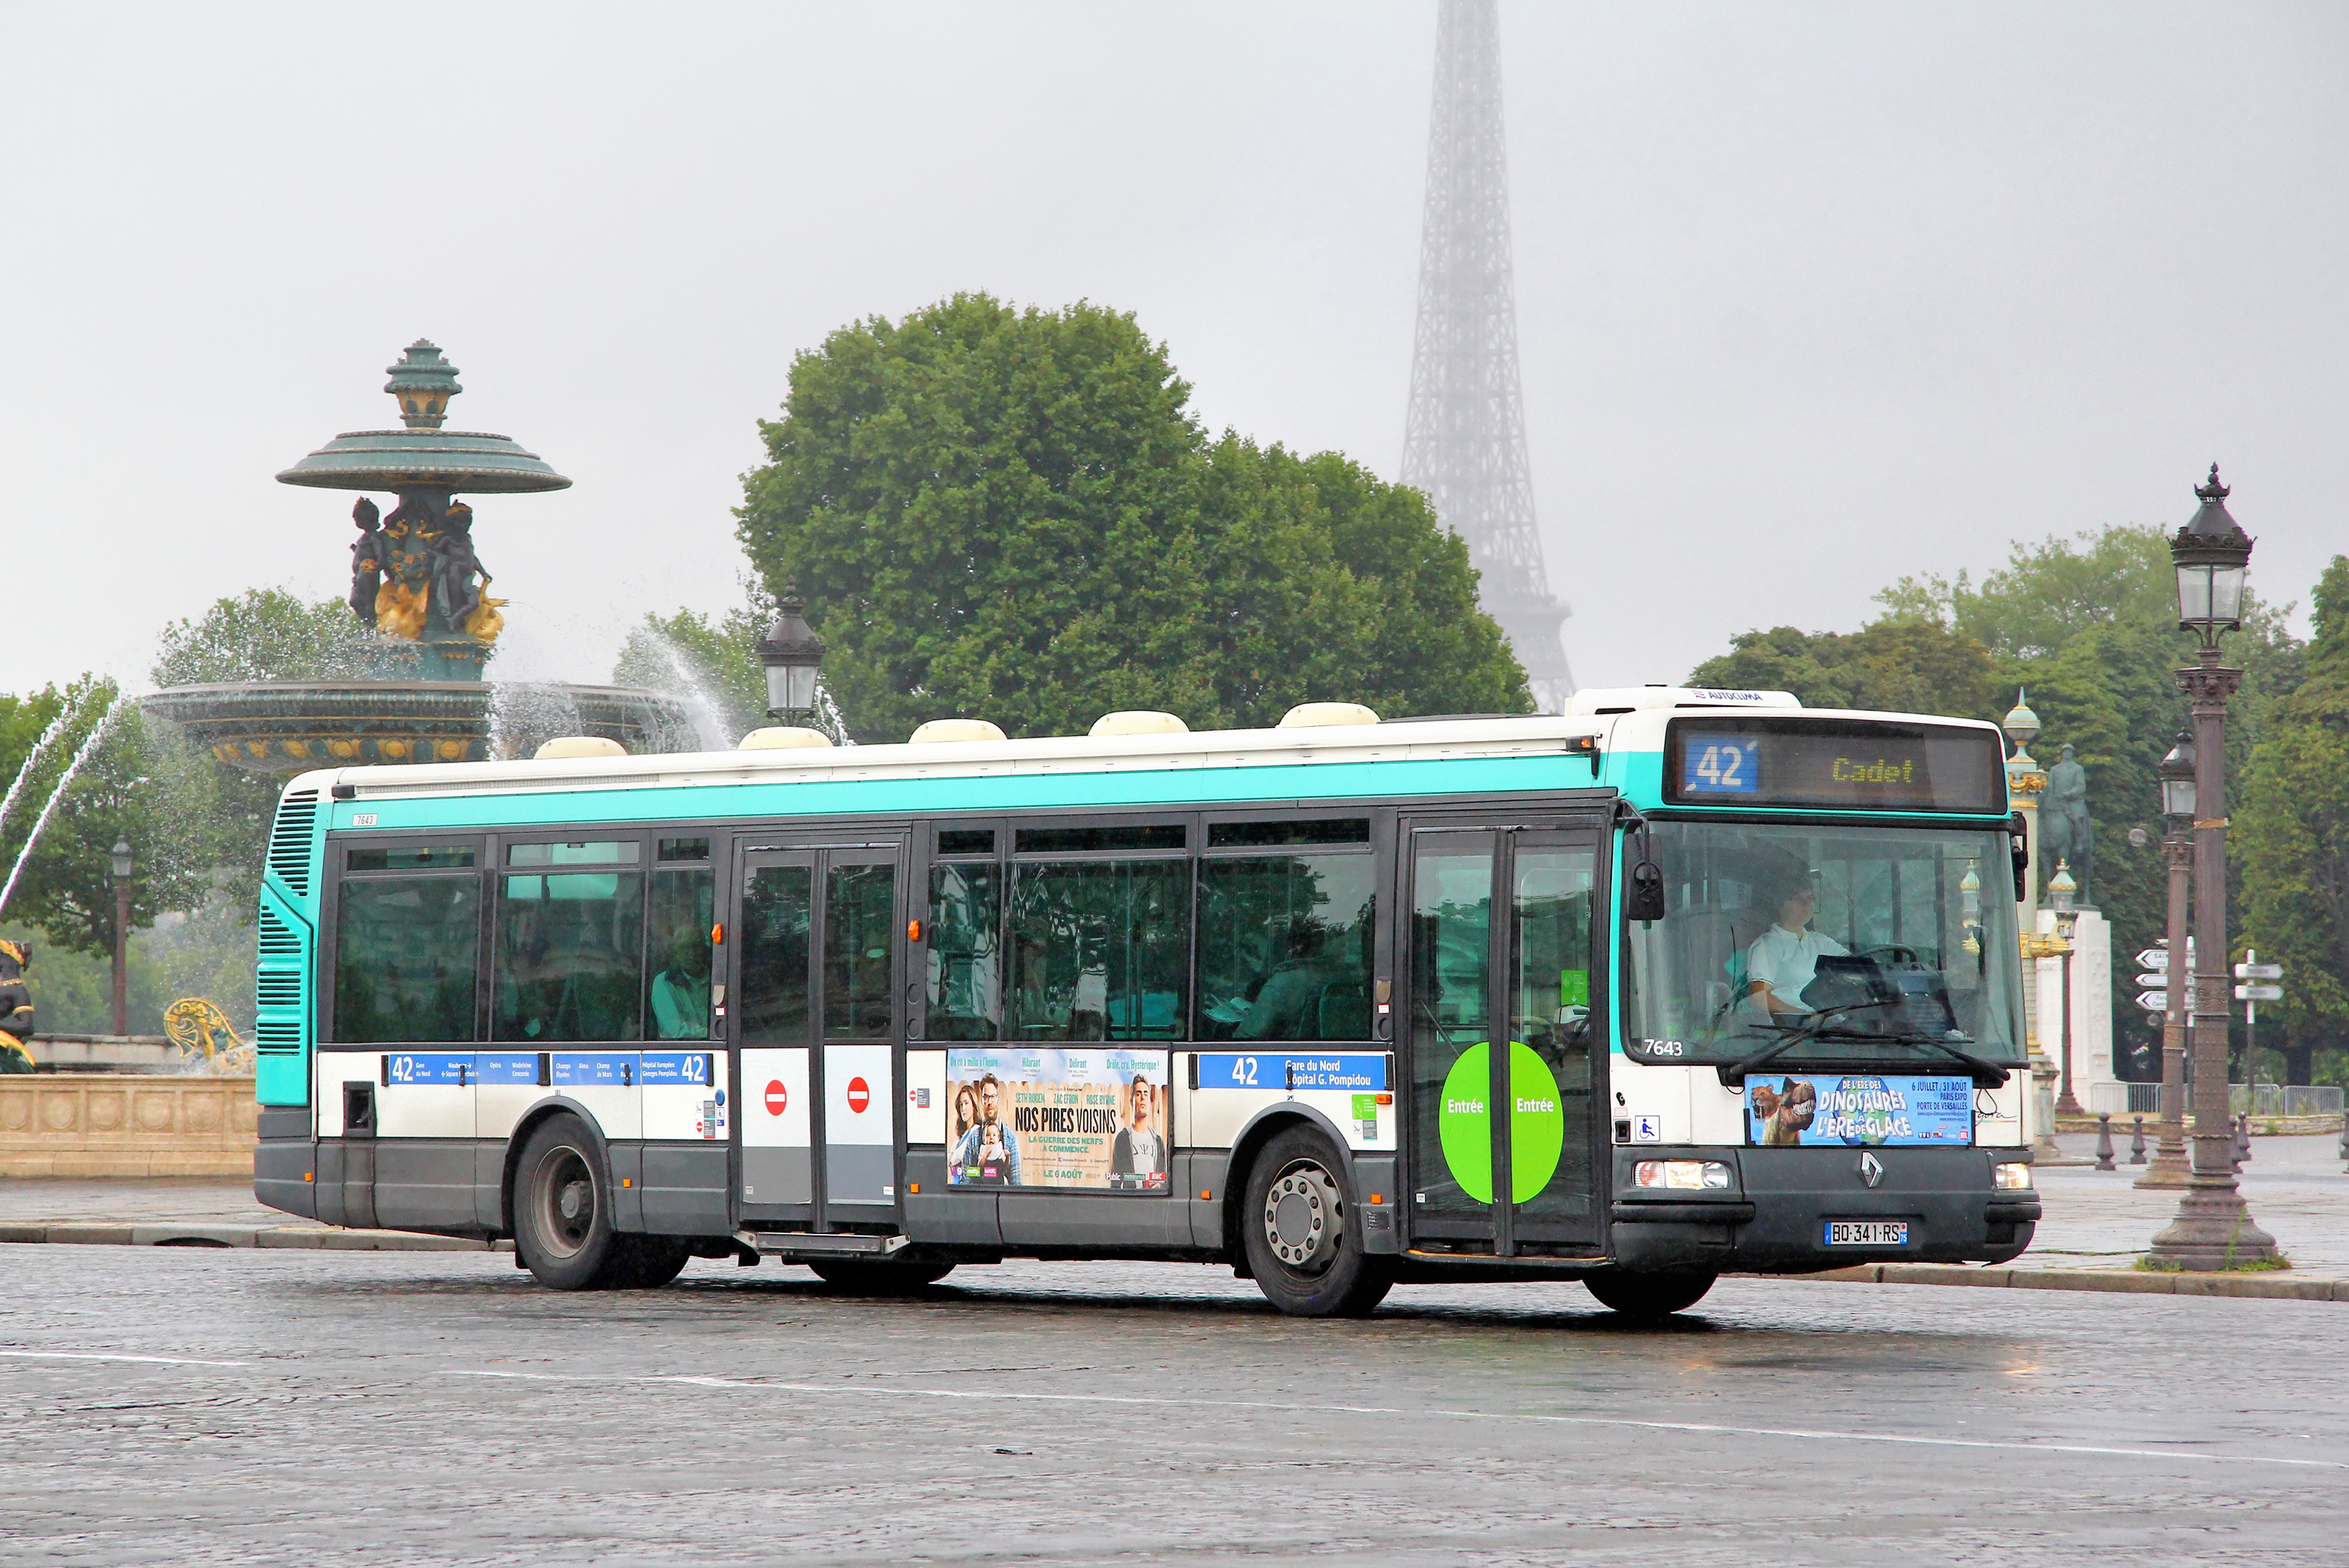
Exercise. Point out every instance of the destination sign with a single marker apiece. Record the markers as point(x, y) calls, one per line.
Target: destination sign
point(1774, 760)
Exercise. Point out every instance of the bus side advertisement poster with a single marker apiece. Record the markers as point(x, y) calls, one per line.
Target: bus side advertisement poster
point(1092, 1119)
point(1851, 1110)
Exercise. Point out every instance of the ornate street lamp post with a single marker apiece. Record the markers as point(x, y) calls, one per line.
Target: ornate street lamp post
point(792, 653)
point(2061, 893)
point(2213, 1228)
point(121, 859)
point(2169, 1167)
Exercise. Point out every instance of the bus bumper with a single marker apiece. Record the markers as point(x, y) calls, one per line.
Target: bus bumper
point(1774, 1217)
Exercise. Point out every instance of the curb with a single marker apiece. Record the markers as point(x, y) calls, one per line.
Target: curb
point(2267, 1286)
point(303, 1237)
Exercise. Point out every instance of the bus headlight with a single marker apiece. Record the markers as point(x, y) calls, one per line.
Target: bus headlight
point(2010, 1178)
point(1680, 1173)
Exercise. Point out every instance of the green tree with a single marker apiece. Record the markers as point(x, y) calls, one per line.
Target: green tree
point(2292, 844)
point(1014, 516)
point(1896, 665)
point(261, 634)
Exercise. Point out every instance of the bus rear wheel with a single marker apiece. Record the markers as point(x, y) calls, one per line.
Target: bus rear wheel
point(1648, 1295)
point(874, 1277)
point(1302, 1238)
point(562, 1213)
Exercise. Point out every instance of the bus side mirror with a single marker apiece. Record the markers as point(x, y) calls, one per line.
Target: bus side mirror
point(1644, 900)
point(2019, 845)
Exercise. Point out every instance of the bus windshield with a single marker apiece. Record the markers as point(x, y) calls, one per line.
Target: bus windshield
point(1848, 944)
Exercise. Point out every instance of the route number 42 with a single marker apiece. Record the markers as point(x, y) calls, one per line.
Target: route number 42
point(1724, 768)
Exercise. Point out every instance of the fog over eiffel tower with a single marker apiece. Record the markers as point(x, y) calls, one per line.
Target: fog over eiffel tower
point(1464, 439)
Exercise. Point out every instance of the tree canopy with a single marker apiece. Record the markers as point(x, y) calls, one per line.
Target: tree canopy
point(2294, 836)
point(1012, 515)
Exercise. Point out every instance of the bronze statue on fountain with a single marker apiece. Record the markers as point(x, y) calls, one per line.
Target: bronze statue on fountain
point(428, 624)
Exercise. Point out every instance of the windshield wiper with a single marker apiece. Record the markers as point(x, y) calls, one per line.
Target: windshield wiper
point(1813, 1025)
point(1983, 1067)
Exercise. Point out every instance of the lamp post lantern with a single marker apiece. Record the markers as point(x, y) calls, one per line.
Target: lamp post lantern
point(2062, 890)
point(2170, 1167)
point(121, 868)
point(2213, 1228)
point(792, 653)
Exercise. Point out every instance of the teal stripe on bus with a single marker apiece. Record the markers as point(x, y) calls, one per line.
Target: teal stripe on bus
point(897, 797)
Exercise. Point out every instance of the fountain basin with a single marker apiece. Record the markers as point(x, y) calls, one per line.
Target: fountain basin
point(286, 726)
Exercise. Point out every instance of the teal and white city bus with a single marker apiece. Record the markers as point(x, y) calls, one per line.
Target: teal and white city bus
point(1741, 979)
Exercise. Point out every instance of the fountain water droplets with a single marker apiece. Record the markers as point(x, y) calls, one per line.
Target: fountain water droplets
point(82, 754)
point(33, 758)
point(713, 726)
point(827, 716)
point(526, 714)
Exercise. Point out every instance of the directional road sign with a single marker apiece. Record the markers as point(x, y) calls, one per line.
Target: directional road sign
point(2258, 971)
point(2154, 958)
point(2259, 994)
point(2154, 977)
point(2152, 1000)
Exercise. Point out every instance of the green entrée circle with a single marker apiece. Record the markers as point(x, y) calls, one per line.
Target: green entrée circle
point(1464, 1125)
point(1537, 1123)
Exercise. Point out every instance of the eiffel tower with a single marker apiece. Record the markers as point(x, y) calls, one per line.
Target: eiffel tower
point(1464, 439)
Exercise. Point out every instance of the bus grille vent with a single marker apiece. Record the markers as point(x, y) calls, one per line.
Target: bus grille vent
point(289, 840)
point(277, 988)
point(277, 936)
point(276, 1034)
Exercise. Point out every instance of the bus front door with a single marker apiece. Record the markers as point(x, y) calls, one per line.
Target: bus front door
point(817, 1024)
point(1503, 1137)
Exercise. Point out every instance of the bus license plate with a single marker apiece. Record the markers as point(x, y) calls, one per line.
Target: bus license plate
point(1867, 1233)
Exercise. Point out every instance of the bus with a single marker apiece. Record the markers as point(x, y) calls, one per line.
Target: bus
point(1676, 983)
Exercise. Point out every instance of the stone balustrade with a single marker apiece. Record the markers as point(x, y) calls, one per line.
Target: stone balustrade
point(121, 1124)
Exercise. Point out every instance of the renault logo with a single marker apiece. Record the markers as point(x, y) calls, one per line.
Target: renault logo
point(1871, 1170)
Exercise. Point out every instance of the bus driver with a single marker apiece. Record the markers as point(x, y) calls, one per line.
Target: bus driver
point(1782, 960)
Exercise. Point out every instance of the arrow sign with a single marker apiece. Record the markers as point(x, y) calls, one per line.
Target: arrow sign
point(2258, 971)
point(2152, 1000)
point(2154, 958)
point(2154, 977)
point(2259, 994)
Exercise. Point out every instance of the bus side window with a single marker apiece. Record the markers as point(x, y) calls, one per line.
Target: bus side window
point(570, 959)
point(406, 954)
point(1284, 947)
point(1099, 950)
point(678, 953)
point(963, 949)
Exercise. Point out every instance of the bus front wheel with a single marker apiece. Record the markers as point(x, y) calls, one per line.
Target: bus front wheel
point(1303, 1241)
point(562, 1214)
point(1648, 1296)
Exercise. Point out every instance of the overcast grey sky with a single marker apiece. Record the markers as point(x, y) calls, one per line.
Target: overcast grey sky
point(1810, 295)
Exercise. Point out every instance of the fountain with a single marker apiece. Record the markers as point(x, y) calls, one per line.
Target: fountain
point(426, 623)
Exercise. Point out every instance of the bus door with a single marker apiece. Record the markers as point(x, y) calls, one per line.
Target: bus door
point(1503, 926)
point(816, 1025)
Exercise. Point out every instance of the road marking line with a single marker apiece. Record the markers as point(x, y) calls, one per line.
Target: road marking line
point(1698, 1428)
point(101, 1355)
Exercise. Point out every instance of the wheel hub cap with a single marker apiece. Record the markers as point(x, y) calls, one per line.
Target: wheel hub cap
point(1303, 1218)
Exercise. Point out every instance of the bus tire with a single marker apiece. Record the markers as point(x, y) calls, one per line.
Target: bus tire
point(650, 1262)
point(874, 1277)
point(1648, 1295)
point(563, 1210)
point(1302, 1238)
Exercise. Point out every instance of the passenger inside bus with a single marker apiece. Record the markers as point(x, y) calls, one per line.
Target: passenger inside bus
point(1782, 960)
